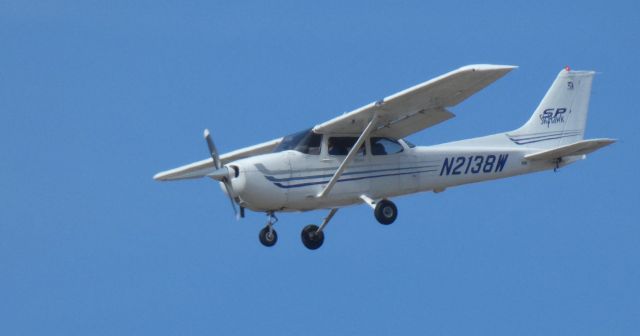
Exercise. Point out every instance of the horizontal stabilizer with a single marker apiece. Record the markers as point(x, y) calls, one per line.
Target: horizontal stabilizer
point(579, 148)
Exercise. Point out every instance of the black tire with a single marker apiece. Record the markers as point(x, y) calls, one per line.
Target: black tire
point(311, 238)
point(268, 238)
point(386, 212)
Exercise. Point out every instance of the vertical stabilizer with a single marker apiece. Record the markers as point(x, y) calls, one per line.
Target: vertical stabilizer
point(561, 117)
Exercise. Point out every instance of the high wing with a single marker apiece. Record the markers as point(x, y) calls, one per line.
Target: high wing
point(204, 167)
point(419, 107)
point(397, 116)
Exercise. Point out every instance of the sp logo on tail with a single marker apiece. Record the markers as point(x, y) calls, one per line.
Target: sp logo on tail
point(553, 116)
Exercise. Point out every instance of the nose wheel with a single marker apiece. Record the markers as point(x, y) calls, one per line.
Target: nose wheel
point(268, 236)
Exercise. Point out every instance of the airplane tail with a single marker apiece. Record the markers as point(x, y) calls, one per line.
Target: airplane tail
point(561, 117)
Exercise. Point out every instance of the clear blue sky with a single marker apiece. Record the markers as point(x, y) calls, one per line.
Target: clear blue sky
point(97, 96)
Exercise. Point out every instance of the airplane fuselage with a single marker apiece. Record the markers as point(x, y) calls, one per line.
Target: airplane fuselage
point(360, 156)
point(291, 181)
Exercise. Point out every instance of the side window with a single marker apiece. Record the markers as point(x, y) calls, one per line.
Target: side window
point(384, 146)
point(342, 145)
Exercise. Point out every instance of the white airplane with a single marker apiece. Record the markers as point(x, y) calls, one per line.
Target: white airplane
point(361, 157)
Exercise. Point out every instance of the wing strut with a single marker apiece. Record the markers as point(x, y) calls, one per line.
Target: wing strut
point(350, 156)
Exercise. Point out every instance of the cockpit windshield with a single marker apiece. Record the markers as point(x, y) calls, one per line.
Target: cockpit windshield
point(305, 142)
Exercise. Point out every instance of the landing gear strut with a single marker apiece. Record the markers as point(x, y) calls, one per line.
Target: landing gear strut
point(268, 236)
point(313, 236)
point(557, 162)
point(384, 210)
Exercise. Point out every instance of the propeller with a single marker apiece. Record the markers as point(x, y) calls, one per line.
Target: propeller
point(221, 173)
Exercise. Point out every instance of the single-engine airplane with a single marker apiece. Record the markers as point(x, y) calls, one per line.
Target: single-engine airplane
point(361, 157)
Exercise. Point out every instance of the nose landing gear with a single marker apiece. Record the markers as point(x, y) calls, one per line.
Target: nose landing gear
point(268, 236)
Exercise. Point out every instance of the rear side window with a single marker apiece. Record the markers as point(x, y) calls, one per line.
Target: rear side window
point(409, 143)
point(384, 146)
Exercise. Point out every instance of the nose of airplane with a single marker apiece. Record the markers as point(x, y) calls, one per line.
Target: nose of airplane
point(251, 188)
point(221, 174)
point(236, 178)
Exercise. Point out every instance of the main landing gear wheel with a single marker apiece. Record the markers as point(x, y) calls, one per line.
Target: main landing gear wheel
point(386, 212)
point(311, 238)
point(268, 236)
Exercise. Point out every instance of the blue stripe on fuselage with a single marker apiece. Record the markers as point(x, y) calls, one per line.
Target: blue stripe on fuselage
point(351, 179)
point(287, 179)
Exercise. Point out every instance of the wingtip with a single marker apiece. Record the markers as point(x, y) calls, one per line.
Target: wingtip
point(481, 67)
point(159, 176)
point(206, 133)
